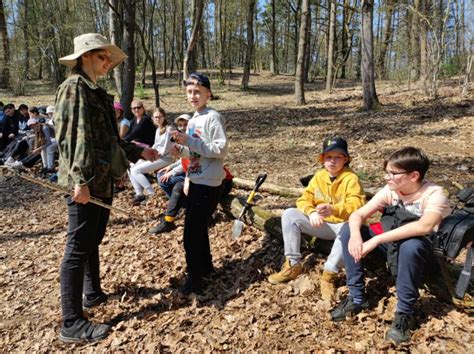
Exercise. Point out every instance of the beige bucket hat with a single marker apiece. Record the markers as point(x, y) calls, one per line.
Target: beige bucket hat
point(90, 41)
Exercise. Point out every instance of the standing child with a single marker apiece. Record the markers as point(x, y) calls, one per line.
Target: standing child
point(415, 208)
point(331, 196)
point(206, 146)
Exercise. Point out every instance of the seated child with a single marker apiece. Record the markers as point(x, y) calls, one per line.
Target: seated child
point(415, 208)
point(331, 196)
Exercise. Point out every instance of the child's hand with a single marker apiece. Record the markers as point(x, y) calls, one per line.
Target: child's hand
point(164, 178)
point(355, 247)
point(179, 138)
point(369, 246)
point(324, 210)
point(186, 186)
point(315, 219)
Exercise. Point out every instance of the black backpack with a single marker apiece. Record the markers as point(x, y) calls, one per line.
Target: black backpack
point(455, 232)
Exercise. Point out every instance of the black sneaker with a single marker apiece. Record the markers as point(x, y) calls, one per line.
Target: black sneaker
point(164, 226)
point(193, 285)
point(347, 307)
point(138, 199)
point(89, 303)
point(401, 328)
point(84, 331)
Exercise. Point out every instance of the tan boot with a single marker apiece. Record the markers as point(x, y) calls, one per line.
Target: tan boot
point(286, 273)
point(328, 285)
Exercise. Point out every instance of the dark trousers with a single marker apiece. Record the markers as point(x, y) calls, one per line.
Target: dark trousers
point(202, 201)
point(413, 254)
point(31, 160)
point(17, 148)
point(174, 190)
point(80, 271)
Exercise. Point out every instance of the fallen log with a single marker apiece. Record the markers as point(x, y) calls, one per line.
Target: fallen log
point(284, 191)
point(270, 223)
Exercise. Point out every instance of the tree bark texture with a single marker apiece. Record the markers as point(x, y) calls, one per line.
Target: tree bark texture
point(128, 46)
point(249, 47)
point(386, 40)
point(193, 40)
point(332, 35)
point(367, 38)
point(4, 71)
point(299, 76)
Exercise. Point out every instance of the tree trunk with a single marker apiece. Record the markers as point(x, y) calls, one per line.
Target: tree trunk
point(165, 48)
point(415, 43)
point(386, 40)
point(193, 40)
point(128, 46)
point(424, 47)
point(367, 38)
point(26, 43)
point(115, 33)
point(332, 30)
point(4, 71)
point(299, 79)
point(467, 74)
point(274, 60)
point(248, 52)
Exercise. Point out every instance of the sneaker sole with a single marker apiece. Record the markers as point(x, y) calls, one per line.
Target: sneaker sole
point(80, 340)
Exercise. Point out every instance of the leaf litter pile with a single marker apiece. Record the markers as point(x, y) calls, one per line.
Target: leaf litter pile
point(240, 310)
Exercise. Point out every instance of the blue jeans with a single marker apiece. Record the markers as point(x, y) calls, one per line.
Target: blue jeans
point(168, 186)
point(413, 254)
point(174, 190)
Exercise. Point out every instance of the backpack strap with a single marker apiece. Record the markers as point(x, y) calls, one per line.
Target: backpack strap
point(465, 276)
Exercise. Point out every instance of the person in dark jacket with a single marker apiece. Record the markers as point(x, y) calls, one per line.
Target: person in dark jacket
point(91, 157)
point(142, 130)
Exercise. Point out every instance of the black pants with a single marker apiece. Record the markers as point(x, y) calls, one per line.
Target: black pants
point(80, 271)
point(17, 148)
point(31, 160)
point(202, 201)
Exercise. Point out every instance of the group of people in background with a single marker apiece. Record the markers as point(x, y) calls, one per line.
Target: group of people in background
point(97, 145)
point(27, 136)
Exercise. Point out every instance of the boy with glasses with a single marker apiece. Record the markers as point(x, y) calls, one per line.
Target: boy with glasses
point(412, 208)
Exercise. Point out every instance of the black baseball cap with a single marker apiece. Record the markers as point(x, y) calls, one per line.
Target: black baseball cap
point(198, 79)
point(334, 144)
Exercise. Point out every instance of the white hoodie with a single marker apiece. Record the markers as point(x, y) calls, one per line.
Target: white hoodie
point(206, 148)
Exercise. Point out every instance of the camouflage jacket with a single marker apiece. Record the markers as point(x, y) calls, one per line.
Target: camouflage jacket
point(87, 133)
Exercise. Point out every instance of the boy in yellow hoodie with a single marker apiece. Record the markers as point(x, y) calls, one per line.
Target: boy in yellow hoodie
point(331, 196)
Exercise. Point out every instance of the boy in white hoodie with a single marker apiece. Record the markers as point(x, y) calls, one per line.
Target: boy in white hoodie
point(205, 144)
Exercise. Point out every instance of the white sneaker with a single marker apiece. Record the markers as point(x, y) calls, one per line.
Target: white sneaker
point(9, 161)
point(17, 165)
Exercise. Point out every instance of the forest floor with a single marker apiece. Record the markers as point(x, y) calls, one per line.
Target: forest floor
point(240, 309)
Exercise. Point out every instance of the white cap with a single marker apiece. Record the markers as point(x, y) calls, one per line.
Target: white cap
point(182, 116)
point(49, 109)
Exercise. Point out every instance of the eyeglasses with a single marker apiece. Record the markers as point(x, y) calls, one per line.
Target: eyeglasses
point(104, 57)
point(137, 107)
point(392, 175)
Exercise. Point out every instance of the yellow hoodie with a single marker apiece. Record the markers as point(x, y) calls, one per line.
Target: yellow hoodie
point(345, 194)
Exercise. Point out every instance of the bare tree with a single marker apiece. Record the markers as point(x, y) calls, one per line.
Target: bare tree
point(199, 4)
point(414, 55)
point(332, 35)
point(274, 60)
point(386, 40)
point(115, 34)
point(128, 45)
point(4, 72)
point(303, 37)
point(248, 52)
point(367, 39)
